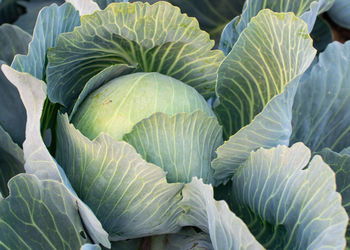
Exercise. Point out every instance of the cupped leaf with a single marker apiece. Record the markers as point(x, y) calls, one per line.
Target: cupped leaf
point(321, 115)
point(340, 163)
point(157, 37)
point(130, 196)
point(339, 13)
point(272, 127)
point(273, 50)
point(226, 230)
point(11, 160)
point(287, 202)
point(187, 238)
point(39, 215)
point(183, 145)
point(307, 10)
point(38, 160)
point(52, 21)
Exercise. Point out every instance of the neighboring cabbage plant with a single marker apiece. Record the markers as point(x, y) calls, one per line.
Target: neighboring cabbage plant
point(122, 147)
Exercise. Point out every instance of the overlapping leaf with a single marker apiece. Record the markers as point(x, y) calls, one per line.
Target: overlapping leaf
point(226, 230)
point(183, 145)
point(38, 160)
point(51, 22)
point(39, 215)
point(130, 196)
point(321, 115)
point(288, 202)
point(157, 37)
point(85, 7)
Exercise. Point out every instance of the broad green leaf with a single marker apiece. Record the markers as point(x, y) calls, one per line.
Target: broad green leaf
point(345, 151)
point(89, 246)
point(273, 50)
point(27, 21)
point(321, 115)
point(182, 145)
point(11, 160)
point(130, 197)
point(13, 41)
point(39, 215)
point(270, 128)
point(340, 163)
point(157, 37)
point(104, 3)
point(38, 160)
point(51, 22)
point(307, 10)
point(85, 7)
point(339, 13)
point(226, 230)
point(187, 238)
point(10, 10)
point(289, 202)
point(321, 34)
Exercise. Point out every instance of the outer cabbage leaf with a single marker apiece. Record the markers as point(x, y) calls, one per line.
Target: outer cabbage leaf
point(39, 215)
point(305, 9)
point(11, 160)
point(130, 196)
point(288, 202)
point(321, 115)
point(38, 160)
point(183, 145)
point(339, 13)
point(273, 125)
point(226, 230)
point(273, 50)
point(13, 41)
point(157, 37)
point(340, 163)
point(52, 21)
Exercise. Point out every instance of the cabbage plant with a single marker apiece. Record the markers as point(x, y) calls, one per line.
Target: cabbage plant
point(121, 127)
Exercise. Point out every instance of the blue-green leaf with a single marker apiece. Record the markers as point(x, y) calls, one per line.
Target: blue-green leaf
point(339, 13)
point(51, 22)
point(183, 145)
point(130, 196)
point(38, 160)
point(39, 215)
point(85, 7)
point(226, 230)
point(273, 50)
point(321, 114)
point(11, 160)
point(288, 202)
